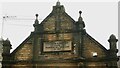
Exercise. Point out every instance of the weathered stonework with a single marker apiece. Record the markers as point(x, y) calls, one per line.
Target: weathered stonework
point(60, 42)
point(25, 53)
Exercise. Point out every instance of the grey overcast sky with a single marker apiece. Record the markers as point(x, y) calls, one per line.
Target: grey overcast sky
point(100, 17)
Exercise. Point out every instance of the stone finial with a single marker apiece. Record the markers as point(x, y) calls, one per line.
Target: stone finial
point(80, 21)
point(36, 16)
point(112, 38)
point(80, 18)
point(7, 41)
point(80, 12)
point(58, 3)
point(36, 21)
